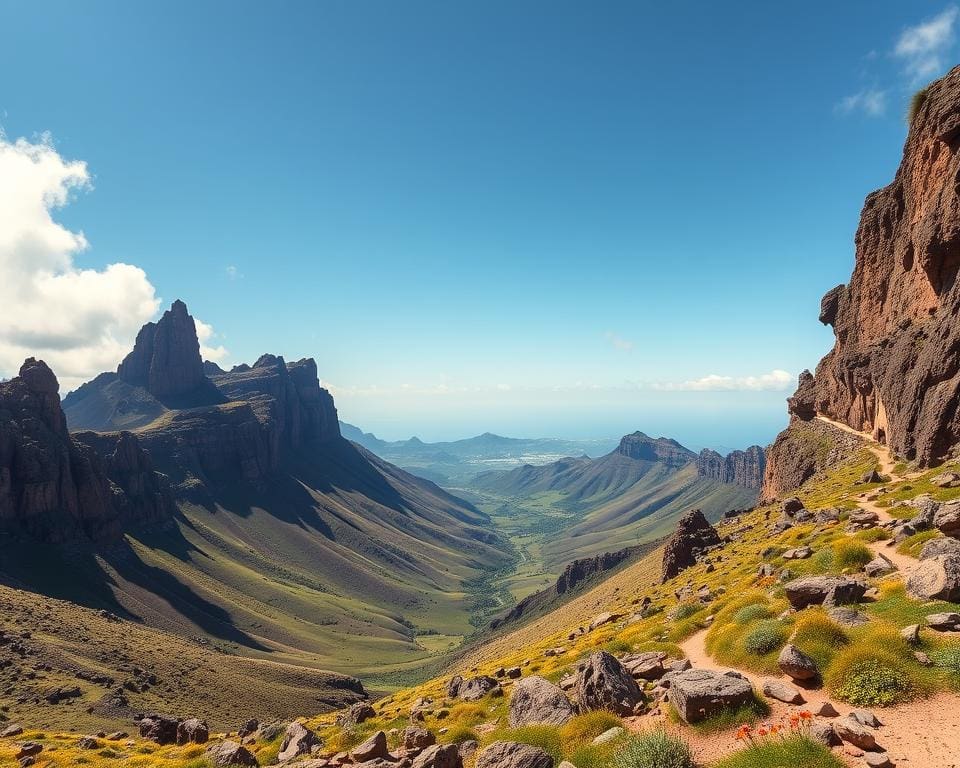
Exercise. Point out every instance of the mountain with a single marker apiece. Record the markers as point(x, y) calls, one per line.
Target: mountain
point(894, 370)
point(456, 462)
point(232, 509)
point(634, 493)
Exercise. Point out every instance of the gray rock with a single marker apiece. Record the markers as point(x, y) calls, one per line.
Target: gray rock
point(698, 694)
point(946, 480)
point(848, 617)
point(815, 590)
point(298, 740)
point(510, 754)
point(439, 756)
point(229, 753)
point(609, 735)
point(797, 664)
point(879, 566)
point(777, 689)
point(372, 749)
point(14, 729)
point(647, 666)
point(824, 734)
point(854, 732)
point(877, 760)
point(538, 701)
point(944, 622)
point(824, 709)
point(800, 553)
point(357, 713)
point(476, 688)
point(936, 578)
point(911, 634)
point(192, 731)
point(415, 739)
point(947, 518)
point(942, 545)
point(604, 683)
point(866, 717)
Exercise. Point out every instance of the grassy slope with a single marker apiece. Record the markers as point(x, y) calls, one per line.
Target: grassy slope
point(336, 564)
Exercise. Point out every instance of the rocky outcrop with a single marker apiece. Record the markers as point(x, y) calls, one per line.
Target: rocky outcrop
point(58, 487)
point(166, 361)
point(575, 577)
point(661, 450)
point(743, 468)
point(510, 754)
point(698, 694)
point(604, 683)
point(537, 701)
point(803, 451)
point(694, 535)
point(894, 370)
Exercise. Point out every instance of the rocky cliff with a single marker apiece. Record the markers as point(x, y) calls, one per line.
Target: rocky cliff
point(166, 361)
point(894, 370)
point(661, 450)
point(57, 487)
point(743, 468)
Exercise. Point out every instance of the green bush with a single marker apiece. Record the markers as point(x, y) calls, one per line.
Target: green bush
point(685, 611)
point(654, 749)
point(873, 534)
point(875, 680)
point(459, 734)
point(851, 553)
point(948, 659)
point(790, 752)
point(765, 638)
point(751, 613)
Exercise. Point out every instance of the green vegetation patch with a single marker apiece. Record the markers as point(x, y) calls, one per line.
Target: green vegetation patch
point(654, 749)
point(797, 751)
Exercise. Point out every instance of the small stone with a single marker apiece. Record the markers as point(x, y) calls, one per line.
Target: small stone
point(776, 689)
point(911, 634)
point(795, 663)
point(609, 735)
point(825, 709)
point(877, 760)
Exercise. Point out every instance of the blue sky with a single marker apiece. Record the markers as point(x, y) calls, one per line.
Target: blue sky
point(537, 218)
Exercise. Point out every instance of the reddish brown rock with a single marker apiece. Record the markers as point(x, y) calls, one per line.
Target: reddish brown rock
point(693, 535)
point(661, 450)
point(743, 468)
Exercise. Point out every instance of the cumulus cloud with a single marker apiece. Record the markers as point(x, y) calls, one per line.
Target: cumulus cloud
point(206, 336)
point(776, 380)
point(923, 48)
point(81, 321)
point(870, 101)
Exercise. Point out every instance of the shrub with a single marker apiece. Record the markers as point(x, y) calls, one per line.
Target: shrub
point(654, 749)
point(916, 104)
point(764, 638)
point(851, 553)
point(866, 676)
point(468, 714)
point(819, 636)
point(584, 728)
point(948, 659)
point(873, 534)
point(790, 752)
point(459, 734)
point(685, 611)
point(751, 613)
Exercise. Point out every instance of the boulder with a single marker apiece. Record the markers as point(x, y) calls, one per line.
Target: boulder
point(877, 760)
point(777, 689)
point(453, 686)
point(947, 518)
point(942, 545)
point(791, 506)
point(538, 701)
point(825, 734)
point(415, 739)
point(872, 477)
point(800, 553)
point(510, 754)
point(848, 617)
point(88, 742)
point(159, 729)
point(230, 753)
point(374, 748)
point(192, 731)
point(248, 728)
point(298, 740)
point(357, 713)
point(439, 756)
point(646, 666)
point(936, 578)
point(866, 717)
point(693, 535)
point(795, 663)
point(14, 729)
point(477, 687)
point(911, 634)
point(603, 618)
point(879, 566)
point(604, 683)
point(946, 480)
point(698, 694)
point(854, 732)
point(824, 709)
point(815, 590)
point(944, 622)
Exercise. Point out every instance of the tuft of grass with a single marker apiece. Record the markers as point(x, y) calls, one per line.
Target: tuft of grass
point(871, 535)
point(467, 714)
point(752, 612)
point(878, 670)
point(916, 104)
point(948, 659)
point(582, 729)
point(766, 637)
point(817, 635)
point(654, 749)
point(790, 752)
point(850, 553)
point(459, 734)
point(913, 544)
point(686, 610)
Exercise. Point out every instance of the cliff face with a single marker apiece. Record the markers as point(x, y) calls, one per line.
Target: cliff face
point(743, 468)
point(662, 450)
point(895, 368)
point(166, 361)
point(55, 487)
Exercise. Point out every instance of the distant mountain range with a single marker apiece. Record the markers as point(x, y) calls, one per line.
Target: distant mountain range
point(633, 494)
point(456, 462)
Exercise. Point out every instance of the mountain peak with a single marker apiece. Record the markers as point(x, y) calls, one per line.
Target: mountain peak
point(642, 447)
point(166, 361)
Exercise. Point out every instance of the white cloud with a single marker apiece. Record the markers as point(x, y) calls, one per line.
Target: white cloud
point(618, 342)
point(923, 47)
point(81, 321)
point(870, 101)
point(776, 380)
point(206, 335)
point(233, 273)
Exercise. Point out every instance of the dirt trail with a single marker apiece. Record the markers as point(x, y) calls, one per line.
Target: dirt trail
point(924, 734)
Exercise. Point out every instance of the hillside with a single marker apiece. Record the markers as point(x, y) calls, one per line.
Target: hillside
point(635, 493)
point(275, 538)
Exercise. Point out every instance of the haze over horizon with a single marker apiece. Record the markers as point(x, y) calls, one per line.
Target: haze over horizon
point(577, 254)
